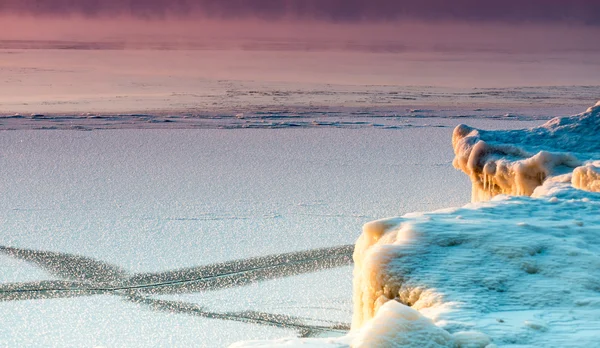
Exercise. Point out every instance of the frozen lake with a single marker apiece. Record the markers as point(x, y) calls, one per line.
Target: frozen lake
point(159, 200)
point(148, 201)
point(202, 204)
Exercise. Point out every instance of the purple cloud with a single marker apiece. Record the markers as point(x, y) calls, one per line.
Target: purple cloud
point(577, 11)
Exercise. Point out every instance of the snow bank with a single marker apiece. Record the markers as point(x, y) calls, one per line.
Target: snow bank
point(520, 270)
point(516, 162)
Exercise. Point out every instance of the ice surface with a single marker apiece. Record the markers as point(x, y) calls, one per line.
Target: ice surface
point(12, 271)
point(168, 88)
point(165, 204)
point(108, 321)
point(153, 200)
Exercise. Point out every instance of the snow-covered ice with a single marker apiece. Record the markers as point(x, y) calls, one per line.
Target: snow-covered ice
point(517, 162)
point(165, 203)
point(491, 267)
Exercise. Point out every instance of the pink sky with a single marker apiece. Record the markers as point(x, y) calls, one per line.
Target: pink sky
point(393, 36)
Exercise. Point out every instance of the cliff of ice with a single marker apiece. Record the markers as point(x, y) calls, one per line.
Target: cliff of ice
point(513, 271)
point(524, 271)
point(516, 162)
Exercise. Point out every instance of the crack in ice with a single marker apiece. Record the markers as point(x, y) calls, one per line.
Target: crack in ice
point(87, 277)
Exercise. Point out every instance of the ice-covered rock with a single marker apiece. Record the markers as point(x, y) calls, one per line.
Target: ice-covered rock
point(516, 162)
point(510, 272)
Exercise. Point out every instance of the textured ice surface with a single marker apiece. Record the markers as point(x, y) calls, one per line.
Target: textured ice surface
point(157, 201)
point(108, 321)
point(152, 200)
point(12, 271)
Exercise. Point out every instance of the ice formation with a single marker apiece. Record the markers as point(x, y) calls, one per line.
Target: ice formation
point(521, 270)
point(516, 162)
point(512, 271)
point(587, 177)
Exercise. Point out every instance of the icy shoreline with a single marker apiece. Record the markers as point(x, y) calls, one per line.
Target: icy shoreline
point(286, 117)
point(512, 271)
point(338, 118)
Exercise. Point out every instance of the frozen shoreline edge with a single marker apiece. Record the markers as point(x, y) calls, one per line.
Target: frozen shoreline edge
point(395, 259)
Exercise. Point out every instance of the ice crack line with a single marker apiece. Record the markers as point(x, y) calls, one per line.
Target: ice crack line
point(83, 276)
point(89, 275)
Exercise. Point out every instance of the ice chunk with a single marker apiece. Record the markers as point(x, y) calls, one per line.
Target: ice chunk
point(508, 271)
point(587, 177)
point(516, 162)
point(514, 271)
point(397, 325)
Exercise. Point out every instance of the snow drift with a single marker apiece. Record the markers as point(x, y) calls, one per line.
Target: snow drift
point(512, 271)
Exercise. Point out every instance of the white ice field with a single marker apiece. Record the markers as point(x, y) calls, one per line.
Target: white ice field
point(139, 212)
point(208, 196)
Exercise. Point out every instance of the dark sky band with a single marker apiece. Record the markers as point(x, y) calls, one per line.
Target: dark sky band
point(570, 11)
